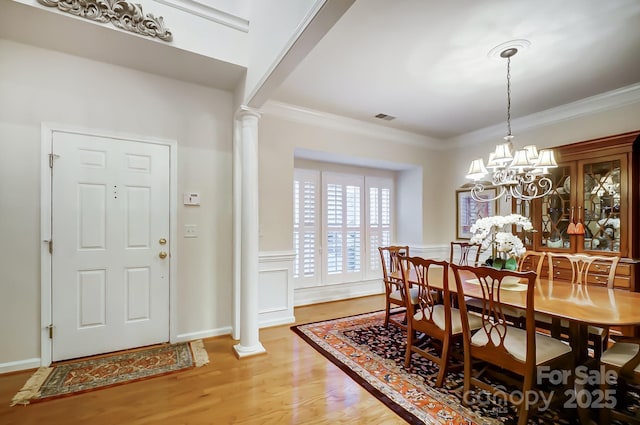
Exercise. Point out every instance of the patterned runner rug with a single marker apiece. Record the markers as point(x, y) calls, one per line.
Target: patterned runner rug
point(373, 355)
point(100, 372)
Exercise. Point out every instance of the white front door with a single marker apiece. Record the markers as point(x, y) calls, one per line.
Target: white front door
point(110, 230)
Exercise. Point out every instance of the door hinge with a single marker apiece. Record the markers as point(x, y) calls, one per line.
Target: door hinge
point(50, 327)
point(50, 246)
point(52, 156)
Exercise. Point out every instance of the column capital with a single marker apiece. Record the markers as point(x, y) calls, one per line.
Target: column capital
point(245, 112)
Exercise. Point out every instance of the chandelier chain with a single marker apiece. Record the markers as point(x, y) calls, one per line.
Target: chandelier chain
point(509, 95)
point(520, 174)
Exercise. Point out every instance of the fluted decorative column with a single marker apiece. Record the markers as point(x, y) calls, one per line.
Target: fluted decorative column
point(249, 232)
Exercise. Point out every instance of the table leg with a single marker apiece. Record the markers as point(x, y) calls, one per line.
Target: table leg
point(579, 340)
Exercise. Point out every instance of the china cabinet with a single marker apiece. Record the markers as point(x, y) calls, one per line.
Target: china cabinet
point(592, 207)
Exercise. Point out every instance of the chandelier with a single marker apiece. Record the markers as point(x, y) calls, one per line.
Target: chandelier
point(519, 174)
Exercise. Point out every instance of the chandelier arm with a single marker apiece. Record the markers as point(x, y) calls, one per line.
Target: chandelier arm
point(478, 189)
point(520, 191)
point(528, 178)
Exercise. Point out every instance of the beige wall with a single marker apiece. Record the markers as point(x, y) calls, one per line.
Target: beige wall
point(585, 127)
point(426, 187)
point(278, 140)
point(38, 86)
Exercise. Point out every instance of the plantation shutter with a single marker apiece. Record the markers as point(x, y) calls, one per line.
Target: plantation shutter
point(306, 228)
point(379, 191)
point(343, 199)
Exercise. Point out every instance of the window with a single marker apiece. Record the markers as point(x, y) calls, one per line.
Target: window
point(336, 241)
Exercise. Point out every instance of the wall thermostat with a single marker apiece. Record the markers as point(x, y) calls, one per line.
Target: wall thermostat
point(191, 198)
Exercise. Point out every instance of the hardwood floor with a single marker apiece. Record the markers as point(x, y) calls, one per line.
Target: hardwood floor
point(290, 384)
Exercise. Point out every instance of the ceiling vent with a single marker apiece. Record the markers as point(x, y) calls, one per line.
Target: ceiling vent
point(385, 117)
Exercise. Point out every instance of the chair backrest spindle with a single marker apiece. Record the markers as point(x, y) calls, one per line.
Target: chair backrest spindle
point(583, 266)
point(464, 254)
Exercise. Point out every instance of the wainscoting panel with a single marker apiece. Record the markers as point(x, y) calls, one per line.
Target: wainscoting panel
point(335, 292)
point(435, 252)
point(275, 284)
point(278, 297)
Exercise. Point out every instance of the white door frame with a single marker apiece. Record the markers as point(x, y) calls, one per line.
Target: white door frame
point(47, 131)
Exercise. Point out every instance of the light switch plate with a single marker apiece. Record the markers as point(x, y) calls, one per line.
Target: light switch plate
point(191, 231)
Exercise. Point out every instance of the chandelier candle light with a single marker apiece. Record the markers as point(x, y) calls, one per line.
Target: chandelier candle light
point(520, 175)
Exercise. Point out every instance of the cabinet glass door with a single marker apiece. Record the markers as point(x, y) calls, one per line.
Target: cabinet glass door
point(601, 205)
point(556, 209)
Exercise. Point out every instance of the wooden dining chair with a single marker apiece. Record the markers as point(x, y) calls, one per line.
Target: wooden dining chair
point(532, 261)
point(519, 351)
point(431, 317)
point(464, 253)
point(623, 359)
point(394, 286)
point(468, 254)
point(582, 267)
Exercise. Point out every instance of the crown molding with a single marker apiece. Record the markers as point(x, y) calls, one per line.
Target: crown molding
point(588, 106)
point(338, 122)
point(584, 107)
point(209, 13)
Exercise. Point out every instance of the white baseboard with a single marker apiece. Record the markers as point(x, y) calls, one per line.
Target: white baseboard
point(35, 363)
point(190, 336)
point(20, 365)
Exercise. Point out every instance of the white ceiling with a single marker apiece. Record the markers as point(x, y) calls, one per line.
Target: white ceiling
point(426, 61)
point(423, 61)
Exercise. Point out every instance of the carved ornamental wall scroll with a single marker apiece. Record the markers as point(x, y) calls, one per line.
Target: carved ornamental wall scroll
point(121, 13)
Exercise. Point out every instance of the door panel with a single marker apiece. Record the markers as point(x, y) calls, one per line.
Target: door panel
point(110, 208)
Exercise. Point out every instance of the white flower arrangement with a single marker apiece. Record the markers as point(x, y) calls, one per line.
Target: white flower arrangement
point(488, 233)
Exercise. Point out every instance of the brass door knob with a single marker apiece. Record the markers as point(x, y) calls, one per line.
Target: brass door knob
point(162, 255)
point(162, 241)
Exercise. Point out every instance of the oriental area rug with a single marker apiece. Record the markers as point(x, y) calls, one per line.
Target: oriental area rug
point(373, 356)
point(95, 373)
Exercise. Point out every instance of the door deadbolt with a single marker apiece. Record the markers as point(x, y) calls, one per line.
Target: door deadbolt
point(162, 241)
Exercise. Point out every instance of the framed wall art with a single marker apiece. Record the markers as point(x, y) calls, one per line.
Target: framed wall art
point(468, 210)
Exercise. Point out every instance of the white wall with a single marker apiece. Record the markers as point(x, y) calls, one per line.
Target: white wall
point(38, 86)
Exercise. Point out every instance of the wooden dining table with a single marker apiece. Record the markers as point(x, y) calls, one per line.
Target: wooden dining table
point(581, 305)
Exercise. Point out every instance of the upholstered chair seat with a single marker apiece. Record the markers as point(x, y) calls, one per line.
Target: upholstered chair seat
point(620, 354)
point(397, 296)
point(515, 343)
point(438, 316)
